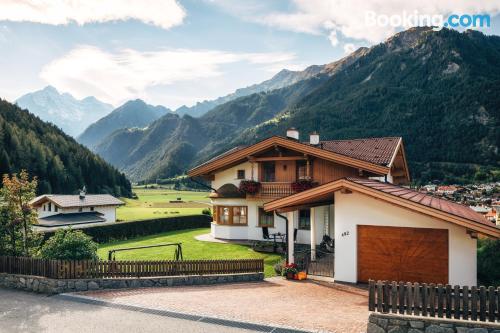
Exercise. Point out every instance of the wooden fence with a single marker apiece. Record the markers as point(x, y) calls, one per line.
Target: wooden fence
point(443, 301)
point(86, 269)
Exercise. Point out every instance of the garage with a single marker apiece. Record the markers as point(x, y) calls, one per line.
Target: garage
point(402, 254)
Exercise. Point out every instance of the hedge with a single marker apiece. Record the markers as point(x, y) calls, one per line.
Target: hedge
point(131, 229)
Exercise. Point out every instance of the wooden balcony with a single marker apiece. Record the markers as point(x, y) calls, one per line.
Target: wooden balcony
point(273, 190)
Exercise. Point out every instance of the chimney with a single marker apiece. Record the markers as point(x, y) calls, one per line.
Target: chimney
point(314, 138)
point(292, 133)
point(83, 192)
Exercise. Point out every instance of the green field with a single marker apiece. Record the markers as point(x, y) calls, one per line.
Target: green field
point(191, 248)
point(155, 203)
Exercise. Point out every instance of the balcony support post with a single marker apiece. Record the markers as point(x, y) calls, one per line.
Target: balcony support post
point(313, 234)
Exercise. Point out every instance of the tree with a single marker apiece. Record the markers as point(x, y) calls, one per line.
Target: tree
point(67, 244)
point(16, 193)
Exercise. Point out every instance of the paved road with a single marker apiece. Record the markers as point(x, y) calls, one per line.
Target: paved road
point(27, 312)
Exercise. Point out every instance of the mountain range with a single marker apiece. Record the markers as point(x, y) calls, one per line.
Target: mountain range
point(56, 159)
point(63, 110)
point(135, 113)
point(438, 90)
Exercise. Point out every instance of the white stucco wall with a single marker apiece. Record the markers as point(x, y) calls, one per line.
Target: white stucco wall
point(108, 211)
point(356, 209)
point(254, 232)
point(230, 176)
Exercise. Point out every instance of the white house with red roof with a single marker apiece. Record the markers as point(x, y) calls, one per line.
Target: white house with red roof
point(349, 191)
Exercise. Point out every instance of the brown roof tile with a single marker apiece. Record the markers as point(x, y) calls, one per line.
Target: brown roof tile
point(423, 199)
point(374, 150)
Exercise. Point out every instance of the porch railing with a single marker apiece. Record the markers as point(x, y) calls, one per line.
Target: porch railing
point(274, 190)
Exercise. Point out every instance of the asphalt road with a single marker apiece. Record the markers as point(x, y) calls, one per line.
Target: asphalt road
point(27, 312)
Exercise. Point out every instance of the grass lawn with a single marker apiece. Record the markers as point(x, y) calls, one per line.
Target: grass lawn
point(191, 249)
point(155, 203)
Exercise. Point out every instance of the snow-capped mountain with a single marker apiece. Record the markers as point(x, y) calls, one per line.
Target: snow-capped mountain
point(73, 116)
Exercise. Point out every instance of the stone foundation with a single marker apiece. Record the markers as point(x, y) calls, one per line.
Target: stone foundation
point(54, 286)
point(391, 323)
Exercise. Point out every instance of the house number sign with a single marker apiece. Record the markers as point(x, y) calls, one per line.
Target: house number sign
point(345, 233)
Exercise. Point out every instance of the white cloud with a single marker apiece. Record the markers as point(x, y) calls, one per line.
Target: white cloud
point(161, 13)
point(333, 38)
point(347, 17)
point(349, 48)
point(115, 77)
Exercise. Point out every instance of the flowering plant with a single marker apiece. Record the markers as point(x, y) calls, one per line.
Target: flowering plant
point(249, 186)
point(302, 185)
point(289, 269)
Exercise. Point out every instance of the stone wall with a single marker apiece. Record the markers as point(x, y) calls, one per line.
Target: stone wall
point(55, 286)
point(391, 323)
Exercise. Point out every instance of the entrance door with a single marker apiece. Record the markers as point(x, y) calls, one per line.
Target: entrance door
point(402, 254)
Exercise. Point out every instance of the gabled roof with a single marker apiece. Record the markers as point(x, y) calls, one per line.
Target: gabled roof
point(373, 154)
point(413, 200)
point(69, 201)
point(375, 150)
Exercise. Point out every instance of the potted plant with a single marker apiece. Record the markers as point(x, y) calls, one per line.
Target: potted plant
point(249, 187)
point(302, 185)
point(290, 271)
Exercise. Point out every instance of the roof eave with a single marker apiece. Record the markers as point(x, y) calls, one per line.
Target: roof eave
point(205, 169)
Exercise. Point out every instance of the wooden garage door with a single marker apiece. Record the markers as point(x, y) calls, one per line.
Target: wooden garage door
point(402, 254)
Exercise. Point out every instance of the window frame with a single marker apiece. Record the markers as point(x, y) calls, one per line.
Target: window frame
point(308, 224)
point(265, 176)
point(232, 213)
point(239, 176)
point(262, 212)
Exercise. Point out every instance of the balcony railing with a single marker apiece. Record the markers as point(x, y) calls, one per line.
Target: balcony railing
point(274, 190)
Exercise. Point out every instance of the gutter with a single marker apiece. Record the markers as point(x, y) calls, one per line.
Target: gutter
point(287, 235)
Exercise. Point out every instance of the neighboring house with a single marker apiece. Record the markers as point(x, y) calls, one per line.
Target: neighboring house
point(491, 215)
point(381, 230)
point(496, 207)
point(483, 210)
point(450, 190)
point(65, 210)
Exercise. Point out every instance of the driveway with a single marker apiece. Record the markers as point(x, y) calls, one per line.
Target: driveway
point(26, 312)
point(299, 304)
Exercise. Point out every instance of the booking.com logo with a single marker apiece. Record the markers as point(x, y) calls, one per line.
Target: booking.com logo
point(438, 21)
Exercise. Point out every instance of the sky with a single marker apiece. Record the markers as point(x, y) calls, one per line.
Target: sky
point(177, 53)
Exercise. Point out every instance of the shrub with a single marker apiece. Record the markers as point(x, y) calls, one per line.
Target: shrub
point(132, 229)
point(67, 244)
point(488, 262)
point(206, 211)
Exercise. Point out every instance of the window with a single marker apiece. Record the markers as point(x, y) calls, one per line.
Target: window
point(266, 219)
point(91, 209)
point(268, 172)
point(80, 209)
point(302, 170)
point(239, 215)
point(305, 219)
point(44, 207)
point(232, 215)
point(56, 209)
point(241, 174)
point(50, 206)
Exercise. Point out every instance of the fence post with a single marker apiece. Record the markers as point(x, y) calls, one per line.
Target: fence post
point(371, 295)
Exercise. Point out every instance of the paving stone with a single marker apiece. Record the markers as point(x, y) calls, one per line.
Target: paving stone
point(92, 285)
point(478, 330)
point(383, 322)
point(417, 324)
point(434, 329)
point(373, 328)
point(81, 285)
